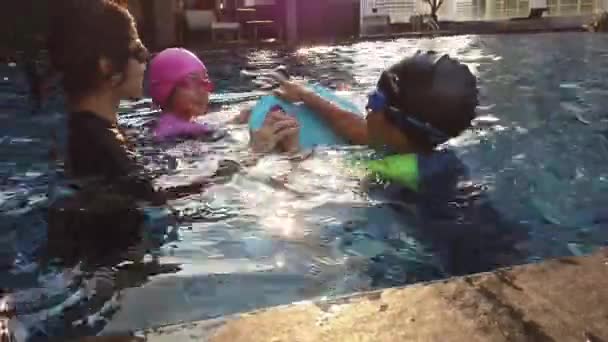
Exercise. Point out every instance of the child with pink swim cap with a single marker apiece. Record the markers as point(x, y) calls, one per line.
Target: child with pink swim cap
point(180, 85)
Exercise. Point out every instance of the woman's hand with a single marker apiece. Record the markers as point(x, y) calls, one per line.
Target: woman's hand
point(278, 128)
point(290, 91)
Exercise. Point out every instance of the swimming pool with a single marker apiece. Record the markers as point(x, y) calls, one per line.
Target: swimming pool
point(539, 147)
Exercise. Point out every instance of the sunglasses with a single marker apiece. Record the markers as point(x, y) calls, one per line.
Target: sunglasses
point(196, 81)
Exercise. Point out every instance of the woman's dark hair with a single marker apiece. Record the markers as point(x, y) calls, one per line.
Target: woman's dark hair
point(432, 88)
point(82, 32)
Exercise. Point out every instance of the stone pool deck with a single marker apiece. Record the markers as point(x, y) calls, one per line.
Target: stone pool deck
point(564, 299)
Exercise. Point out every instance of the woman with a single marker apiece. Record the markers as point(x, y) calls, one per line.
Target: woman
point(102, 60)
point(96, 48)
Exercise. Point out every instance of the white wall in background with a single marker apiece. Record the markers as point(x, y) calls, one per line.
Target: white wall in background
point(538, 3)
point(249, 3)
point(401, 10)
point(199, 20)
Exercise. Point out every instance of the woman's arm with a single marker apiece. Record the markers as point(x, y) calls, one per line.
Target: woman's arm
point(346, 124)
point(136, 181)
point(180, 191)
point(226, 169)
point(278, 128)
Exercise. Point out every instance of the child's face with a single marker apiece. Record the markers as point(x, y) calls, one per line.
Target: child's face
point(131, 85)
point(191, 97)
point(381, 133)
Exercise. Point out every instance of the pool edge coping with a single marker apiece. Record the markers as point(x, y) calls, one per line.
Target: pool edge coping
point(518, 312)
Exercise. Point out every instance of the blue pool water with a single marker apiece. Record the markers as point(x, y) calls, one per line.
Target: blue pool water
point(539, 148)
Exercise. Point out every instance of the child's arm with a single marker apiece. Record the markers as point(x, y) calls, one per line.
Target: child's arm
point(346, 124)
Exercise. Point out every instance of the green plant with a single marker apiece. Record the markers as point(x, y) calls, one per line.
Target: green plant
point(434, 5)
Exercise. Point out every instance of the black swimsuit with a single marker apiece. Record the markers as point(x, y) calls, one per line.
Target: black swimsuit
point(102, 219)
point(97, 150)
point(456, 217)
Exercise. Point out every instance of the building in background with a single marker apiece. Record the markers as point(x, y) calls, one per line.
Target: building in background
point(313, 20)
point(460, 10)
point(381, 13)
point(161, 23)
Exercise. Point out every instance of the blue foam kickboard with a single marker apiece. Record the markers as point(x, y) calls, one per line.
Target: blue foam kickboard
point(313, 130)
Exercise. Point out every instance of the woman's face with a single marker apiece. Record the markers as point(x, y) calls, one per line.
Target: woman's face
point(133, 79)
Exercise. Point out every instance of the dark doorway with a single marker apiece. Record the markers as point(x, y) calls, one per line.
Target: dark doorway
point(328, 19)
point(147, 31)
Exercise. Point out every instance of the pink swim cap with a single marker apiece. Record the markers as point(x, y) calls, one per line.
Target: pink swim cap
point(168, 68)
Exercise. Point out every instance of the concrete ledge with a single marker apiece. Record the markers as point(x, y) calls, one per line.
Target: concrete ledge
point(559, 300)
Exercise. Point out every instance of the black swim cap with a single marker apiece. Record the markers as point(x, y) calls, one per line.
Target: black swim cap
point(432, 88)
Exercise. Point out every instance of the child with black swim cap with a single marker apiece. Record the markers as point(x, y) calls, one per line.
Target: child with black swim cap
point(419, 104)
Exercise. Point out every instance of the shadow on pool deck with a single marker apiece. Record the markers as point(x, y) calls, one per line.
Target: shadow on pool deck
point(564, 299)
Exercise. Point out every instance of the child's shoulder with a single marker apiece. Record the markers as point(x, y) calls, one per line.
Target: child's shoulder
point(167, 117)
point(167, 121)
point(441, 172)
point(441, 162)
point(169, 126)
point(435, 175)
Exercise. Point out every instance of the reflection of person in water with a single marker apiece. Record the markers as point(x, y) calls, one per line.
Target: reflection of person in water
point(419, 104)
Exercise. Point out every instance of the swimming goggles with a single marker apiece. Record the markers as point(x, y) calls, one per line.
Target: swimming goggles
point(377, 101)
point(197, 80)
